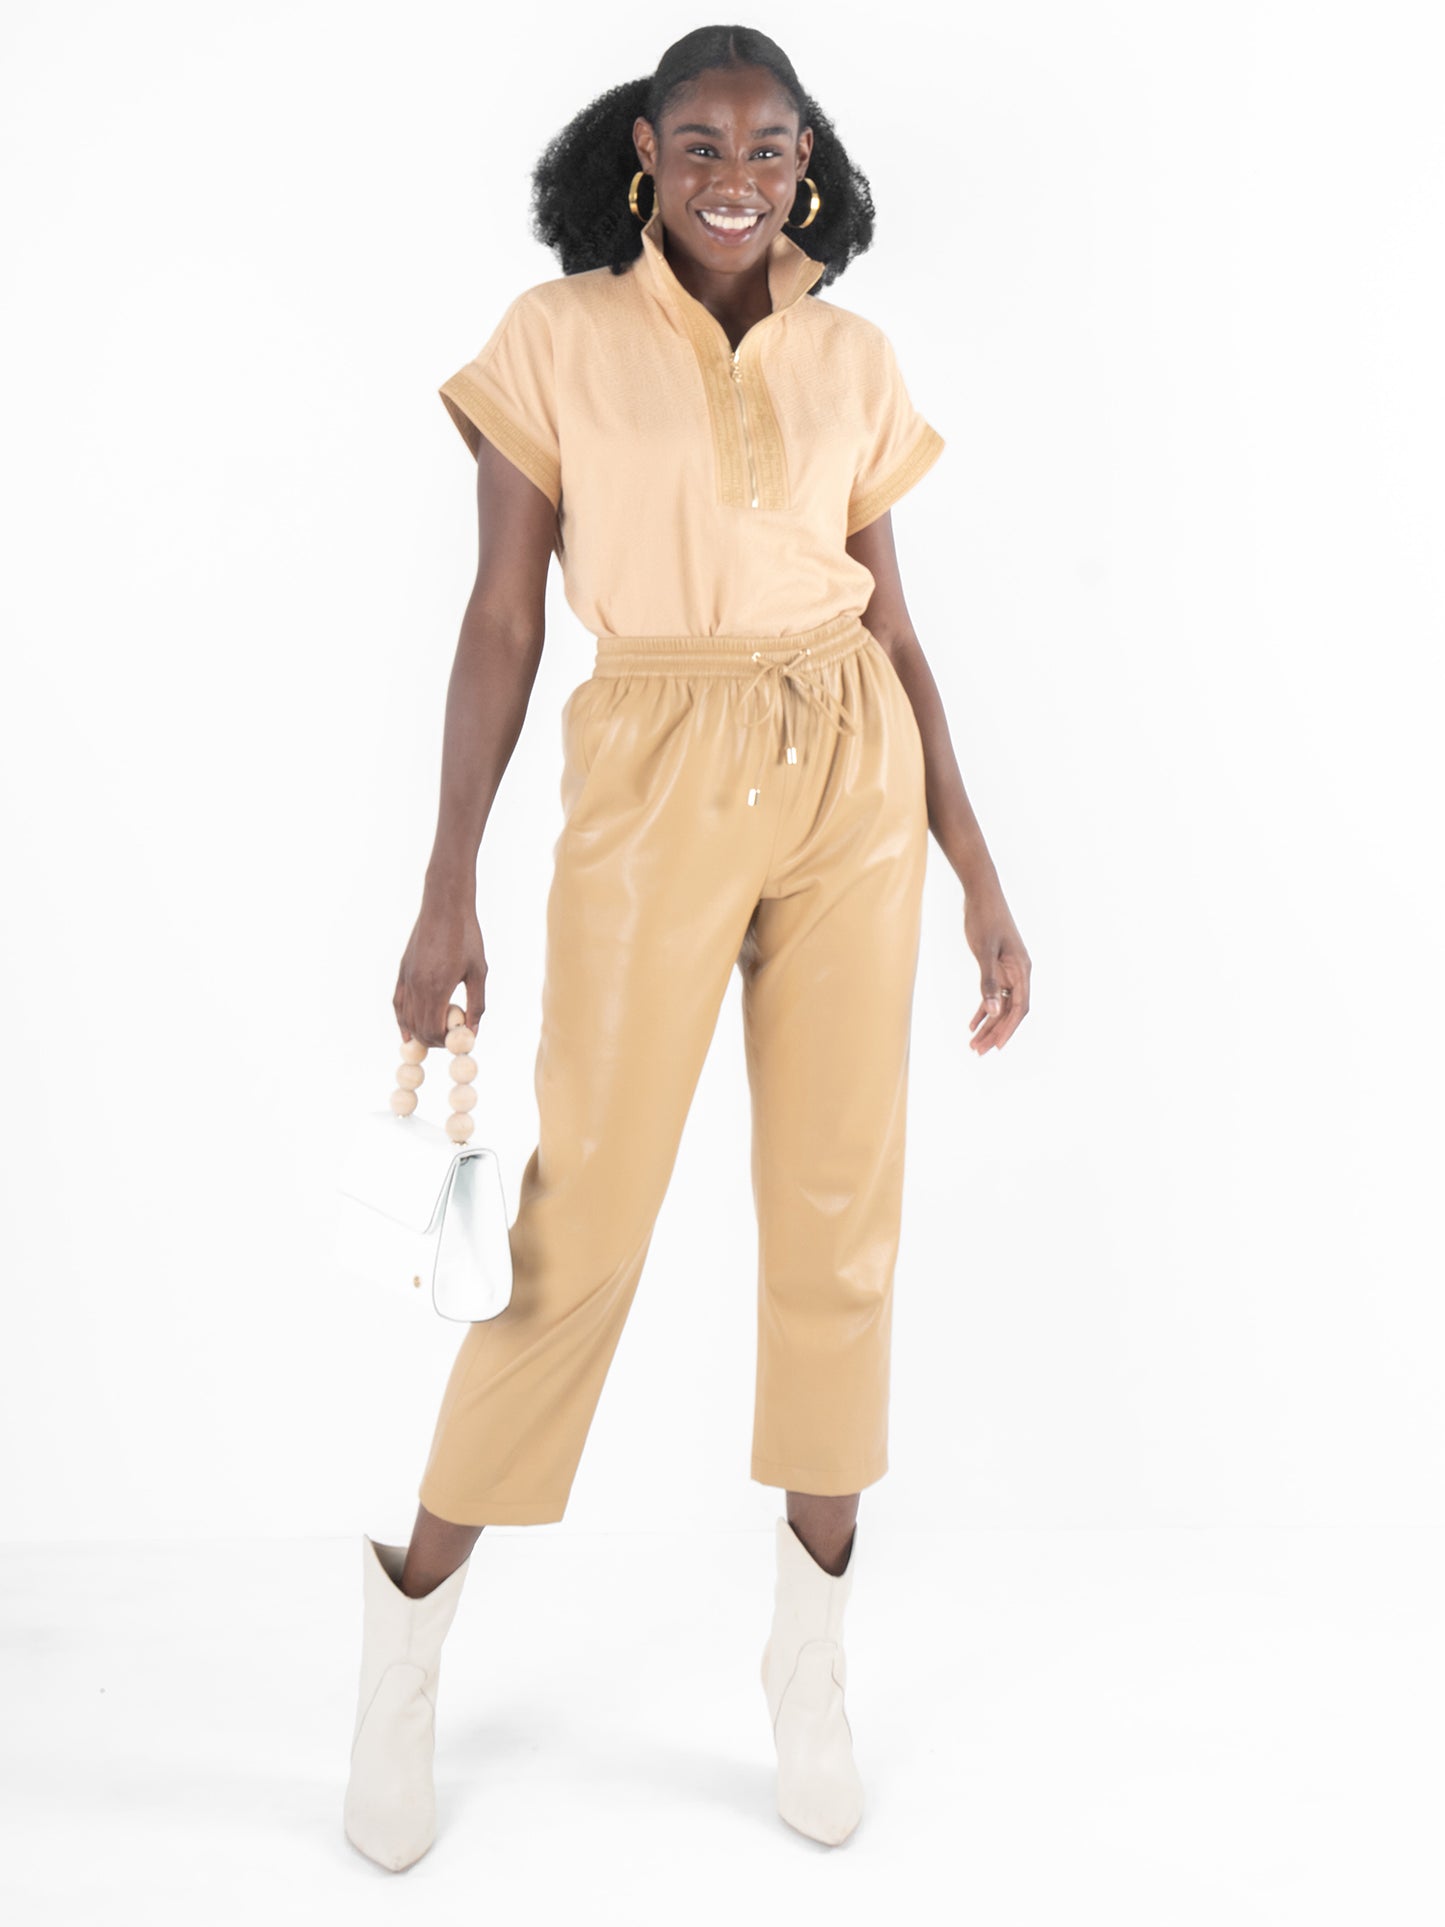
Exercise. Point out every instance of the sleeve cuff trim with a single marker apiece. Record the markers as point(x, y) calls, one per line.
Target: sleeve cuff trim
point(473, 410)
point(867, 507)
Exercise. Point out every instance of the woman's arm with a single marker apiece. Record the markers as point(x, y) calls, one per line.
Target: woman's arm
point(988, 926)
point(499, 648)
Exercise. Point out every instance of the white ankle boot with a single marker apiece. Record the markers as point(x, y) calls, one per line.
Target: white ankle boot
point(390, 1807)
point(804, 1674)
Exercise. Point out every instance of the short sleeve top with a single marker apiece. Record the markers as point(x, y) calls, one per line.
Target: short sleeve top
point(698, 490)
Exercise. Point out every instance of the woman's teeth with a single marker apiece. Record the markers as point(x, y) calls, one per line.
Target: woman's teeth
point(731, 223)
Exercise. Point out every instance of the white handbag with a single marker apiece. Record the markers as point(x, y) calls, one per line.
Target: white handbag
point(418, 1204)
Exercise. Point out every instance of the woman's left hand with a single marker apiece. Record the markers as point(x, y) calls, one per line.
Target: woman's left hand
point(1004, 966)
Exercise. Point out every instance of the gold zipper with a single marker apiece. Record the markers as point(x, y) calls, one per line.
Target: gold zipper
point(747, 439)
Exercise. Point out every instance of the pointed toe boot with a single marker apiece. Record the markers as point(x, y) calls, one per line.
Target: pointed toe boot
point(390, 1807)
point(804, 1673)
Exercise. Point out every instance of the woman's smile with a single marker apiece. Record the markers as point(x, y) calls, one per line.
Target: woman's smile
point(730, 227)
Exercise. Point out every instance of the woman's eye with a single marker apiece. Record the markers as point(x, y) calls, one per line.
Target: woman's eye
point(765, 153)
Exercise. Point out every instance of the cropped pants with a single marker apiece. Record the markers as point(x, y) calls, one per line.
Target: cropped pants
point(728, 800)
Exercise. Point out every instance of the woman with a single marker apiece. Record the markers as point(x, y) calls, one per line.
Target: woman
point(751, 772)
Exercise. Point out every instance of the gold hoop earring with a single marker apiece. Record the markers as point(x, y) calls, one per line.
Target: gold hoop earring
point(817, 202)
point(640, 175)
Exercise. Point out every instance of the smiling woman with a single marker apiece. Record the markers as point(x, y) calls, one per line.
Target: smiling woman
point(702, 373)
point(750, 773)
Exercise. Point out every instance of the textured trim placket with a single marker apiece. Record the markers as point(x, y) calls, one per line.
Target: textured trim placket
point(791, 272)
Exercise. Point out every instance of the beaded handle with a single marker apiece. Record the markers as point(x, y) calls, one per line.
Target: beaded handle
point(410, 1076)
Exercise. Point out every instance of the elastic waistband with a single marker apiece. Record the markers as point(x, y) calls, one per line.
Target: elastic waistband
point(725, 655)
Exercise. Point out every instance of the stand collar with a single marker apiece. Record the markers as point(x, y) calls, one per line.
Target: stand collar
point(791, 269)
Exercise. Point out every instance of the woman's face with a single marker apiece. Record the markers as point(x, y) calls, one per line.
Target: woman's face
point(730, 149)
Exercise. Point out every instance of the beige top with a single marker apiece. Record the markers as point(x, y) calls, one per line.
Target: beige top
point(699, 490)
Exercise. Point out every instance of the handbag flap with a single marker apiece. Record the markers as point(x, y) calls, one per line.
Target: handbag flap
point(473, 1274)
point(401, 1167)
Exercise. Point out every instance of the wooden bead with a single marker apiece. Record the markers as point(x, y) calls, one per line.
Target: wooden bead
point(464, 1097)
point(455, 1016)
point(414, 1052)
point(464, 1069)
point(409, 1077)
point(459, 1127)
point(461, 1039)
point(403, 1102)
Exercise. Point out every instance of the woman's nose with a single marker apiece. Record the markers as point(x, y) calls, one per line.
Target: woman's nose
point(736, 179)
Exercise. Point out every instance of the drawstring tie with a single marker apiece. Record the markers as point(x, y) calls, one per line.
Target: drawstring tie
point(807, 682)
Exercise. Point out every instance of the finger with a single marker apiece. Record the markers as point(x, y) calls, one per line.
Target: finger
point(425, 1023)
point(983, 1037)
point(1016, 1007)
point(997, 1031)
point(1018, 1010)
point(998, 993)
point(992, 1006)
point(476, 996)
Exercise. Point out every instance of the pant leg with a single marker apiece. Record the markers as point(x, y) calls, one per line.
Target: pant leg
point(656, 873)
point(828, 971)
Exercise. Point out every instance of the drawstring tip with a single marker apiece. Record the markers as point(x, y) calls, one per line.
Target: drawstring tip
point(753, 795)
point(792, 754)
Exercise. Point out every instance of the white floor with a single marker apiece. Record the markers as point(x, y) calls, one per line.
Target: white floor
point(1161, 1727)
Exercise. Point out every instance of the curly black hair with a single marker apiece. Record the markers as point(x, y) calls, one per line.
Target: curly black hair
point(579, 185)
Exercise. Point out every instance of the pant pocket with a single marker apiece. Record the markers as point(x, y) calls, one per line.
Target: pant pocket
point(587, 716)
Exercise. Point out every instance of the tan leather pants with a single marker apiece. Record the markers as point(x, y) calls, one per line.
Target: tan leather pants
point(666, 876)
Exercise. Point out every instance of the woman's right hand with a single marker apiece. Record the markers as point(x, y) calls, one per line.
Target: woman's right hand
point(445, 949)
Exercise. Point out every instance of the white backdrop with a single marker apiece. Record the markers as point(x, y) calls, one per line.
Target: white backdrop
point(1168, 281)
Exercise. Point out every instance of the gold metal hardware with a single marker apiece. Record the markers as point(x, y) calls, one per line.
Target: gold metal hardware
point(815, 200)
point(747, 439)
